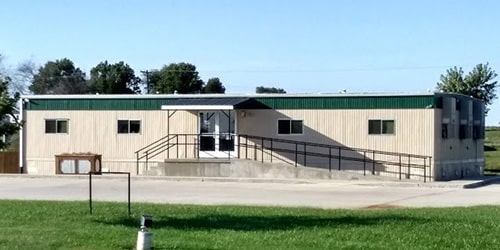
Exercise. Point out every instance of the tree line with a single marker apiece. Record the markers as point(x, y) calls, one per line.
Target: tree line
point(63, 77)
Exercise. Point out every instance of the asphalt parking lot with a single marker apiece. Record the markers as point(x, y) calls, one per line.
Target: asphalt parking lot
point(353, 194)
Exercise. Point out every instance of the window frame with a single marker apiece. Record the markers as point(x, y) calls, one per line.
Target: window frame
point(380, 128)
point(57, 121)
point(290, 127)
point(129, 121)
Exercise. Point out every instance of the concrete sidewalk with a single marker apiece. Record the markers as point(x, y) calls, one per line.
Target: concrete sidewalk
point(463, 183)
point(353, 194)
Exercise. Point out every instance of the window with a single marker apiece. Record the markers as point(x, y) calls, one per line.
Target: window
point(464, 132)
point(444, 131)
point(290, 127)
point(56, 126)
point(381, 127)
point(129, 126)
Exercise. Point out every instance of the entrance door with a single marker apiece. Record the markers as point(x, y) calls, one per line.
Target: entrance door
point(217, 130)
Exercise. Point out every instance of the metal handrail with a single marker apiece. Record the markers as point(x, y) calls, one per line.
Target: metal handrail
point(299, 148)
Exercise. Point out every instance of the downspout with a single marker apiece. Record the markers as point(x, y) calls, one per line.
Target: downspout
point(21, 136)
point(168, 134)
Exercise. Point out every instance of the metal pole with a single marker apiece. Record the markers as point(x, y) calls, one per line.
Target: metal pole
point(409, 166)
point(425, 167)
point(90, 192)
point(137, 163)
point(271, 149)
point(147, 159)
point(364, 163)
point(305, 153)
point(255, 151)
point(296, 152)
point(197, 145)
point(262, 150)
point(238, 141)
point(373, 163)
point(400, 166)
point(246, 147)
point(177, 146)
point(330, 159)
point(430, 168)
point(168, 147)
point(128, 194)
point(340, 156)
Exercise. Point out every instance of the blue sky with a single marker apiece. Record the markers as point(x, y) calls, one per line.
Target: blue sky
point(300, 46)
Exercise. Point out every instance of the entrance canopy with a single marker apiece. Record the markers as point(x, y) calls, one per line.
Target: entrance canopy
point(214, 104)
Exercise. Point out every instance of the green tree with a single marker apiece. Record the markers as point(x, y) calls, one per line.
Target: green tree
point(177, 77)
point(214, 85)
point(478, 83)
point(116, 78)
point(262, 89)
point(59, 77)
point(9, 125)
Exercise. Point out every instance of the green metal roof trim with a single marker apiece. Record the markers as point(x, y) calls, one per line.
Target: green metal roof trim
point(257, 102)
point(355, 102)
point(97, 104)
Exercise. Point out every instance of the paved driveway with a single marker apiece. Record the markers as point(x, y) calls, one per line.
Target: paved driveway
point(329, 194)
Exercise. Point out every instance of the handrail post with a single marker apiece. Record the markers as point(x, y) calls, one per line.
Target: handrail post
point(177, 146)
point(238, 142)
point(409, 167)
point(400, 166)
point(168, 147)
point(246, 147)
point(271, 152)
point(198, 145)
point(425, 167)
point(228, 150)
point(137, 162)
point(185, 146)
point(262, 150)
point(296, 152)
point(330, 159)
point(147, 159)
point(340, 157)
point(373, 163)
point(255, 151)
point(305, 153)
point(364, 163)
point(430, 168)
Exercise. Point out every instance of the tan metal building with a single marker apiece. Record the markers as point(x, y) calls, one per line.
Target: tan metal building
point(432, 136)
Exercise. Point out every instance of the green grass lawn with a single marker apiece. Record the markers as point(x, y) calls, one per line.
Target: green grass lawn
point(67, 225)
point(492, 148)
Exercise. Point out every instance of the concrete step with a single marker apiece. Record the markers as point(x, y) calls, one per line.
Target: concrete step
point(239, 168)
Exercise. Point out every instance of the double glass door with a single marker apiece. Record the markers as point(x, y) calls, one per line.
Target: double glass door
point(217, 130)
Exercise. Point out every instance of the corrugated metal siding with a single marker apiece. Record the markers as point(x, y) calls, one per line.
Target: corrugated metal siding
point(333, 102)
point(414, 128)
point(96, 132)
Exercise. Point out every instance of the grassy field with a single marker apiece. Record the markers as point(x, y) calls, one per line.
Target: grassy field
point(492, 148)
point(67, 225)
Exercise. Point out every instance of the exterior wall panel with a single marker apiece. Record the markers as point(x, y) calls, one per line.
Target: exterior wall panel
point(96, 132)
point(414, 129)
point(414, 134)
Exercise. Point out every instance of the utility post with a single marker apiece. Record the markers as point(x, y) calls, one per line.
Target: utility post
point(146, 73)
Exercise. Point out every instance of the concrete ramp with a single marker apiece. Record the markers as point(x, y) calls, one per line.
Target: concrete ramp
point(248, 169)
